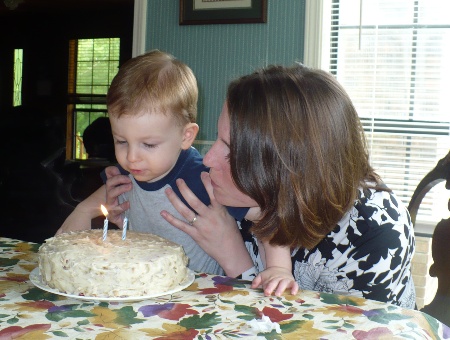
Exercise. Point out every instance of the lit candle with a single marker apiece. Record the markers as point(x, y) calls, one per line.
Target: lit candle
point(124, 228)
point(105, 223)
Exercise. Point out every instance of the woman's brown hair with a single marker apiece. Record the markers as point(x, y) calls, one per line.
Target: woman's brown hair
point(297, 148)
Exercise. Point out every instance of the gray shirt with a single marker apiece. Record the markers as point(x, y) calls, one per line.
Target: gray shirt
point(144, 216)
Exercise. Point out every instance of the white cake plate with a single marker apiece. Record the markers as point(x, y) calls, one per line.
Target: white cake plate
point(35, 278)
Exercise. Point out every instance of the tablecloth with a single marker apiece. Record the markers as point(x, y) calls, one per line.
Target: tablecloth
point(213, 307)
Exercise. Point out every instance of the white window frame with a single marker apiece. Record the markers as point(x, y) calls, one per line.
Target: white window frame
point(139, 27)
point(315, 46)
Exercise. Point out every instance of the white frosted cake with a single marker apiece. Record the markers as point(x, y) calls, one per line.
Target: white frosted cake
point(81, 263)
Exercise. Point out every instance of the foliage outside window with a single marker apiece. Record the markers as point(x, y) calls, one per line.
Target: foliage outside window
point(18, 69)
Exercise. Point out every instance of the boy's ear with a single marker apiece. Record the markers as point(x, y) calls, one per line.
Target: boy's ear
point(190, 131)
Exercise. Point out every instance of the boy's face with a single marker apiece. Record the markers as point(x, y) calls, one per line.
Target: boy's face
point(148, 145)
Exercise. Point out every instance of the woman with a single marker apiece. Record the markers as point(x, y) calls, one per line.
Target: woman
point(290, 145)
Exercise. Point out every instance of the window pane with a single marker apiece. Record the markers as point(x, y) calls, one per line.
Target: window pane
point(84, 117)
point(97, 64)
point(18, 69)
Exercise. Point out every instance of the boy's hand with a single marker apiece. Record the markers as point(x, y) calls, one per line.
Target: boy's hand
point(275, 280)
point(116, 184)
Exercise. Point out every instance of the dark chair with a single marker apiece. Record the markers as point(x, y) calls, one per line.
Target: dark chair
point(439, 307)
point(75, 181)
point(64, 175)
point(439, 174)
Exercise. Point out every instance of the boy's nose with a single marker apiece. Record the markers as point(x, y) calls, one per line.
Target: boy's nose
point(132, 154)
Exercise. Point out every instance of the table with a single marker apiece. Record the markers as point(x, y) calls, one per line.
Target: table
point(213, 307)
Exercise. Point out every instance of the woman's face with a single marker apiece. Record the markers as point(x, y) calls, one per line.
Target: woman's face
point(217, 159)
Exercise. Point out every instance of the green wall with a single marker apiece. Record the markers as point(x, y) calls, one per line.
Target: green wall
point(220, 53)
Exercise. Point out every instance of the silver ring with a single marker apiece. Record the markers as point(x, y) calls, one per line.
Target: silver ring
point(193, 220)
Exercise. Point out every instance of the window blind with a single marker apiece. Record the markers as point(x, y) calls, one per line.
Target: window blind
point(393, 58)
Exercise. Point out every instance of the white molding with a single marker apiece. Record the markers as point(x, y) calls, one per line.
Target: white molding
point(139, 27)
point(317, 33)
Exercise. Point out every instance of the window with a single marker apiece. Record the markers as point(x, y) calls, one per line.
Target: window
point(18, 69)
point(392, 58)
point(93, 63)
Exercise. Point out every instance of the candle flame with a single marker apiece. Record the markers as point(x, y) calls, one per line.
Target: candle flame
point(104, 210)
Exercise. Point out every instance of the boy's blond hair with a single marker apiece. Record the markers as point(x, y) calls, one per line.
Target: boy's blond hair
point(154, 82)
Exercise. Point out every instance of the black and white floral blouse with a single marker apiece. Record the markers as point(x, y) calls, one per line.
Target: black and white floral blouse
point(368, 254)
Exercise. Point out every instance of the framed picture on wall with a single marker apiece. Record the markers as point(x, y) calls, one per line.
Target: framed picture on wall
point(202, 12)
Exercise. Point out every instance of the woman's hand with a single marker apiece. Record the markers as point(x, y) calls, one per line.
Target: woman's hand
point(213, 228)
point(116, 184)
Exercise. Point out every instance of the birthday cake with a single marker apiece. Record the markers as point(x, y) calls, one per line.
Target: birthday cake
point(81, 263)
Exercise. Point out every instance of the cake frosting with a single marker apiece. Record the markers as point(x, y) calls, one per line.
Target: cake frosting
point(81, 263)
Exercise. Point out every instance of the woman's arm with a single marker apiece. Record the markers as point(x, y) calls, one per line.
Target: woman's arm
point(214, 229)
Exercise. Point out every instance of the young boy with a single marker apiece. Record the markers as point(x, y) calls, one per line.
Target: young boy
point(152, 107)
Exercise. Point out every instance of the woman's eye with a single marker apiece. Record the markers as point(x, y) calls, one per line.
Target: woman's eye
point(120, 142)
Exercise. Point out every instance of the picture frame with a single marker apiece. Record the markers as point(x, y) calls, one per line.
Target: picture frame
point(204, 12)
